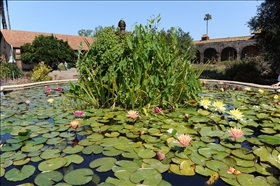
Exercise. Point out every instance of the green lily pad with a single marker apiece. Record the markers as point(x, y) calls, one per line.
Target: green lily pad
point(79, 176)
point(104, 164)
point(272, 140)
point(111, 151)
point(37, 141)
point(266, 156)
point(146, 153)
point(204, 171)
point(92, 149)
point(52, 164)
point(29, 147)
point(17, 175)
point(11, 147)
point(50, 153)
point(146, 176)
point(2, 171)
point(73, 150)
point(217, 165)
point(240, 153)
point(95, 137)
point(73, 158)
point(155, 164)
point(22, 162)
point(48, 178)
point(187, 168)
point(207, 152)
point(50, 135)
point(126, 165)
point(19, 156)
point(250, 180)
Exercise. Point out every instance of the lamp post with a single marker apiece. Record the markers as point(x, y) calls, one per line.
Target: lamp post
point(12, 60)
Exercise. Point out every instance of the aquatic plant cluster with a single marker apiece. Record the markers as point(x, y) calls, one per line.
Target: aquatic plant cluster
point(229, 134)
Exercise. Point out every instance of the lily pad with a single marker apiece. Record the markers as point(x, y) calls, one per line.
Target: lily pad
point(79, 176)
point(272, 140)
point(146, 176)
point(17, 175)
point(250, 180)
point(146, 153)
point(126, 165)
point(74, 158)
point(73, 150)
point(51, 153)
point(155, 164)
point(104, 164)
point(48, 178)
point(52, 164)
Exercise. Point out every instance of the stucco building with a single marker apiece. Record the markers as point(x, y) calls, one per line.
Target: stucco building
point(12, 40)
point(223, 49)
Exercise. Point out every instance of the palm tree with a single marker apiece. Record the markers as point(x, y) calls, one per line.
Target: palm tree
point(207, 18)
point(2, 12)
point(8, 15)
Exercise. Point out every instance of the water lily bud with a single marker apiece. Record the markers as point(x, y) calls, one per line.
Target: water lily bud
point(75, 124)
point(160, 155)
point(142, 132)
point(186, 116)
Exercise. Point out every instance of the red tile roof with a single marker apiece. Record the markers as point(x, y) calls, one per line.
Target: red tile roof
point(229, 39)
point(17, 38)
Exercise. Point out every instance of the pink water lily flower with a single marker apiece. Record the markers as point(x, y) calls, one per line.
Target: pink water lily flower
point(48, 89)
point(79, 113)
point(58, 88)
point(231, 170)
point(160, 155)
point(132, 114)
point(27, 102)
point(75, 124)
point(184, 139)
point(157, 110)
point(235, 133)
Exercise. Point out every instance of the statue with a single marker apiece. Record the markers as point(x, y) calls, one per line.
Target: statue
point(122, 26)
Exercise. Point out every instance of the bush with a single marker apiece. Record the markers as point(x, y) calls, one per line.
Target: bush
point(7, 70)
point(61, 67)
point(137, 70)
point(247, 70)
point(40, 73)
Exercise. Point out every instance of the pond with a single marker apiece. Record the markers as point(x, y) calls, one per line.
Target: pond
point(231, 136)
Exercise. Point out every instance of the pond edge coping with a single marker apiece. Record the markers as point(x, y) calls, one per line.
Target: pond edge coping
point(46, 83)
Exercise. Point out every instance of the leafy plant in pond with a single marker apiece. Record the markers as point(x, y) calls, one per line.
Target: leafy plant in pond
point(139, 69)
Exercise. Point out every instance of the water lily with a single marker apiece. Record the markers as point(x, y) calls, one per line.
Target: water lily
point(275, 97)
point(186, 116)
point(79, 113)
point(27, 102)
point(260, 91)
point(75, 124)
point(51, 100)
point(48, 89)
point(157, 110)
point(58, 88)
point(219, 106)
point(236, 132)
point(132, 114)
point(205, 103)
point(236, 114)
point(247, 88)
point(231, 170)
point(184, 139)
point(160, 155)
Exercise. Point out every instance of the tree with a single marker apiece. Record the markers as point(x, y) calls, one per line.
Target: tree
point(207, 18)
point(185, 41)
point(267, 22)
point(48, 49)
point(85, 33)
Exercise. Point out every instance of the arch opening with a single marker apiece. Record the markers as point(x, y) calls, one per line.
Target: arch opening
point(228, 53)
point(210, 54)
point(250, 51)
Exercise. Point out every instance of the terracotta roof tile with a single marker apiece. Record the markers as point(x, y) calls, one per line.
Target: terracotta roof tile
point(17, 38)
point(229, 39)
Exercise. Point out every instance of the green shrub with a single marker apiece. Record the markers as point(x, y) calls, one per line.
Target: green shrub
point(136, 70)
point(40, 73)
point(247, 70)
point(7, 70)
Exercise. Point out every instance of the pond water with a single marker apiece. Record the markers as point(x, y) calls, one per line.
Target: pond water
point(108, 148)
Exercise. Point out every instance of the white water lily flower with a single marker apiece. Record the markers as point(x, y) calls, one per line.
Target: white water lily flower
point(261, 91)
point(236, 114)
point(219, 106)
point(205, 103)
point(247, 88)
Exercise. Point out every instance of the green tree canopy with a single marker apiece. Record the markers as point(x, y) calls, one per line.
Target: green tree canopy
point(185, 41)
point(85, 32)
point(48, 49)
point(267, 21)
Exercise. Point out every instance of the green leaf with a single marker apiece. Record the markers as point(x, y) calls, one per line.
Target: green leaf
point(146, 176)
point(104, 164)
point(48, 178)
point(79, 176)
point(17, 175)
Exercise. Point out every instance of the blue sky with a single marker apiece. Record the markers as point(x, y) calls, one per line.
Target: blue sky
point(229, 18)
